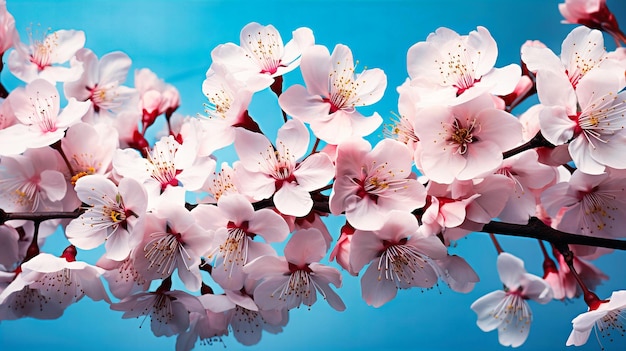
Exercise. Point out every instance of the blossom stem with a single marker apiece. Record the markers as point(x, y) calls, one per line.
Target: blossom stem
point(496, 243)
point(591, 299)
point(57, 147)
point(33, 248)
point(317, 143)
point(537, 141)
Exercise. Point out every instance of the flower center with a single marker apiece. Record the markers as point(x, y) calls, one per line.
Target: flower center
point(400, 263)
point(160, 162)
point(219, 104)
point(42, 51)
point(43, 112)
point(164, 251)
point(597, 206)
point(460, 136)
point(265, 48)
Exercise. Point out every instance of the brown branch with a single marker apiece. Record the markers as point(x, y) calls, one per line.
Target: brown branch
point(37, 216)
point(539, 230)
point(537, 141)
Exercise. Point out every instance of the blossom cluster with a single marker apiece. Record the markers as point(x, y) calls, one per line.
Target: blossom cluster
point(248, 239)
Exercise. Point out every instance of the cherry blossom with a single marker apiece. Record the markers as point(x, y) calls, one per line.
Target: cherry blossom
point(42, 58)
point(7, 28)
point(274, 170)
point(456, 272)
point(172, 240)
point(48, 284)
point(508, 310)
point(234, 224)
point(606, 318)
point(398, 258)
point(155, 96)
point(246, 320)
point(101, 81)
point(9, 254)
point(114, 218)
point(465, 141)
point(227, 108)
point(372, 182)
point(529, 177)
point(31, 182)
point(122, 276)
point(167, 164)
point(581, 52)
point(593, 14)
point(332, 93)
point(452, 68)
point(592, 122)
point(294, 280)
point(261, 55)
point(562, 279)
point(37, 108)
point(591, 204)
point(169, 310)
point(89, 150)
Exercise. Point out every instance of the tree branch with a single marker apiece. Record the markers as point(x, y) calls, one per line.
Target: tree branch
point(539, 230)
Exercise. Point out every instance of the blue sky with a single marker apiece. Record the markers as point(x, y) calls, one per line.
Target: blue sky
point(175, 38)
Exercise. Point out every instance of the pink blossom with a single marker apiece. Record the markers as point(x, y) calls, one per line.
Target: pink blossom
point(245, 318)
point(233, 225)
point(452, 68)
point(168, 310)
point(508, 310)
point(402, 126)
point(527, 175)
point(332, 93)
point(293, 280)
point(88, 149)
point(169, 163)
point(372, 182)
point(9, 254)
point(466, 140)
point(48, 284)
point(591, 121)
point(581, 52)
point(31, 182)
point(8, 34)
point(564, 284)
point(261, 55)
point(442, 211)
point(398, 258)
point(606, 318)
point(207, 326)
point(172, 241)
point(37, 108)
point(494, 192)
point(101, 81)
point(456, 272)
point(590, 204)
point(220, 183)
point(155, 96)
point(43, 58)
point(341, 251)
point(122, 276)
point(274, 170)
point(227, 108)
point(114, 218)
point(593, 14)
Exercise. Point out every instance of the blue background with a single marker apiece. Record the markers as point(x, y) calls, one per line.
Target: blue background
point(175, 38)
